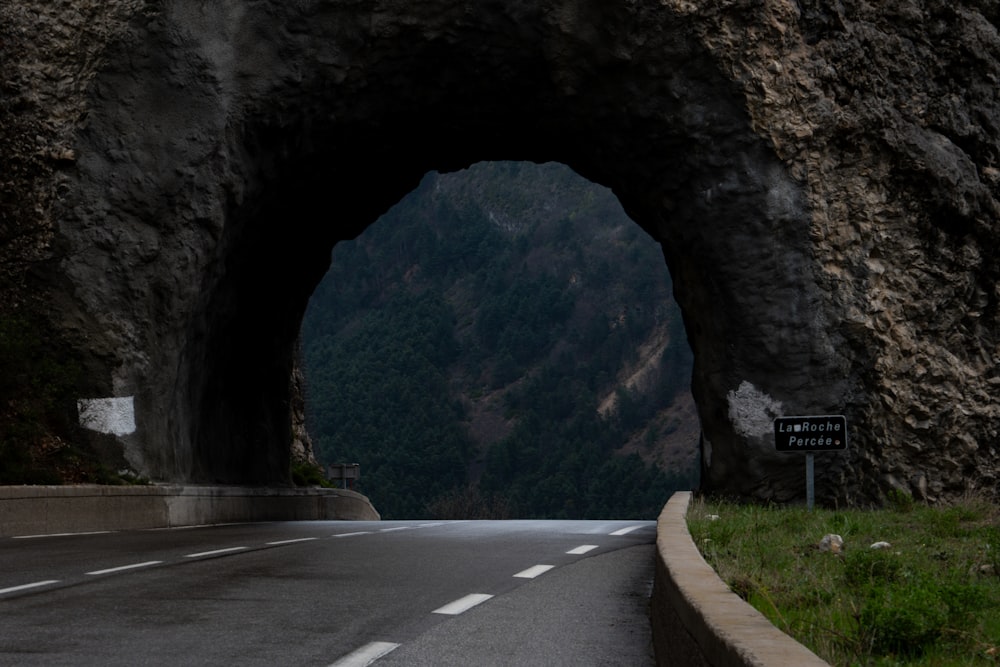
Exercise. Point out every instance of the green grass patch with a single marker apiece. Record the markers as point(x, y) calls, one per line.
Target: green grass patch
point(306, 473)
point(931, 598)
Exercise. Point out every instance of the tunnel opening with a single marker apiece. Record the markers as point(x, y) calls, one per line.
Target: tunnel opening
point(709, 200)
point(267, 147)
point(310, 185)
point(503, 343)
point(699, 181)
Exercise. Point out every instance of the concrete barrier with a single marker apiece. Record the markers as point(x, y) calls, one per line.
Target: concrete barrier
point(33, 510)
point(697, 620)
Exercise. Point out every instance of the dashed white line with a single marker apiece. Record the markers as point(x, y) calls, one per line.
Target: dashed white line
point(366, 655)
point(431, 525)
point(582, 549)
point(216, 552)
point(534, 571)
point(360, 532)
point(390, 530)
point(24, 587)
point(133, 566)
point(300, 539)
point(462, 604)
point(626, 531)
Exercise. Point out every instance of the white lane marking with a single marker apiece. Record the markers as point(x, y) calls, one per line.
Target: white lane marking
point(202, 526)
point(215, 552)
point(534, 571)
point(300, 539)
point(582, 549)
point(389, 530)
point(431, 525)
point(462, 604)
point(626, 531)
point(33, 537)
point(125, 567)
point(360, 532)
point(366, 655)
point(24, 587)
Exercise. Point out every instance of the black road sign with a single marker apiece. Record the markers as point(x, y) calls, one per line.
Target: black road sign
point(810, 434)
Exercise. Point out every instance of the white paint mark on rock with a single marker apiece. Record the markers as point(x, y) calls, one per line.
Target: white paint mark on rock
point(751, 411)
point(115, 416)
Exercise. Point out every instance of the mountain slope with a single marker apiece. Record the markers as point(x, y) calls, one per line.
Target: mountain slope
point(503, 342)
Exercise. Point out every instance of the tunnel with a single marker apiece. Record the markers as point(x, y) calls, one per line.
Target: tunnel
point(228, 147)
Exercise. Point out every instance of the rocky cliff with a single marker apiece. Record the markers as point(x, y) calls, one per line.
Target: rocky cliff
point(823, 178)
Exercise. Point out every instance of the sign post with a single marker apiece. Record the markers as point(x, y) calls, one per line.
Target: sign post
point(810, 482)
point(809, 435)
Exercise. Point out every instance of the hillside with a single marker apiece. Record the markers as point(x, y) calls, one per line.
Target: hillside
point(488, 348)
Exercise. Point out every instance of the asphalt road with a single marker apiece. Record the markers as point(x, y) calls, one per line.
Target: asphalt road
point(325, 593)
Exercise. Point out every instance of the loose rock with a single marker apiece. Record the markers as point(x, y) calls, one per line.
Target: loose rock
point(832, 543)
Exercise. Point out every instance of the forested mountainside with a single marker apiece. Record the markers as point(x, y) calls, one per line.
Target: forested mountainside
point(503, 343)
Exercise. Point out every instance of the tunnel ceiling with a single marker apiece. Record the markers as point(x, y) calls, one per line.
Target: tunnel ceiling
point(823, 182)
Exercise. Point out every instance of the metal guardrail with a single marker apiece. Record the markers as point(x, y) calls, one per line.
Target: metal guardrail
point(346, 474)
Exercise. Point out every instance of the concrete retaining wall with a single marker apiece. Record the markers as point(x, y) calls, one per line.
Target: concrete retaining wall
point(697, 620)
point(34, 510)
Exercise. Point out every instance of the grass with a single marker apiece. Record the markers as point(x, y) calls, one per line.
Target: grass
point(931, 598)
point(306, 473)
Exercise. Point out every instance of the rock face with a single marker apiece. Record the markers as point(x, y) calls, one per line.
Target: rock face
point(823, 178)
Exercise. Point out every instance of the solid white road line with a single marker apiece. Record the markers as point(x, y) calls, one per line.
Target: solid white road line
point(34, 537)
point(301, 539)
point(215, 552)
point(125, 567)
point(462, 604)
point(534, 571)
point(366, 655)
point(24, 587)
point(582, 549)
point(202, 526)
point(360, 532)
point(626, 531)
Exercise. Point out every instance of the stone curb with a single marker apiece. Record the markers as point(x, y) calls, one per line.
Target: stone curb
point(697, 620)
point(33, 510)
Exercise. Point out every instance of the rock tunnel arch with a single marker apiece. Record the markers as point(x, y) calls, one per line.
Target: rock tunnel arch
point(236, 143)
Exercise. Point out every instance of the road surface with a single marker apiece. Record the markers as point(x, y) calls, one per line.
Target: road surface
point(332, 593)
